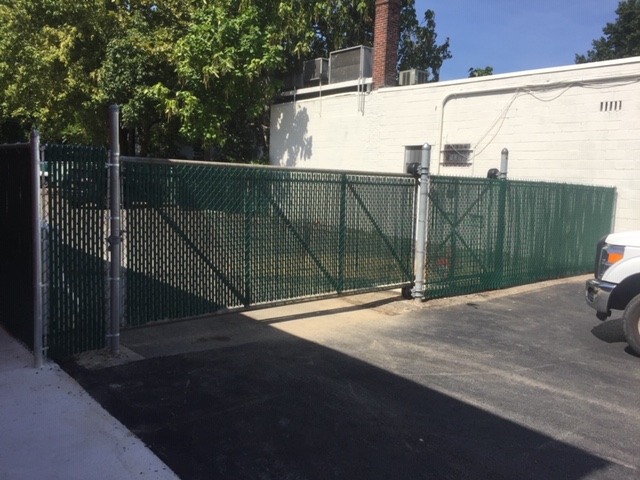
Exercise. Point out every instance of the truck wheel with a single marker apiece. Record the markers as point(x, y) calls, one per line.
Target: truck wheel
point(631, 322)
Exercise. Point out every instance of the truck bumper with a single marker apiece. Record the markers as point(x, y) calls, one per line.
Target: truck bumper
point(597, 295)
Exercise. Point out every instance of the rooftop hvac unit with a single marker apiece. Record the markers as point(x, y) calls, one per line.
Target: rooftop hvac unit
point(316, 70)
point(413, 77)
point(350, 64)
point(289, 82)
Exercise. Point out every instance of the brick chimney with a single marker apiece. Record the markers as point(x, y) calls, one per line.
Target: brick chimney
point(386, 34)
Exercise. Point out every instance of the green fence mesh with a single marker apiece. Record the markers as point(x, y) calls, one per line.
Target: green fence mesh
point(486, 234)
point(74, 257)
point(200, 238)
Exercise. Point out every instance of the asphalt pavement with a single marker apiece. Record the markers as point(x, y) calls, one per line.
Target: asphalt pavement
point(521, 383)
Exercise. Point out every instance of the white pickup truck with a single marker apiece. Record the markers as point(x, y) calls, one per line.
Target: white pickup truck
point(616, 285)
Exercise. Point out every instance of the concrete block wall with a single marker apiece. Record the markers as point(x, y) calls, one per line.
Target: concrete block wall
point(575, 124)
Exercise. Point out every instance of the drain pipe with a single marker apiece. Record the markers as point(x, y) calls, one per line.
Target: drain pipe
point(115, 236)
point(421, 237)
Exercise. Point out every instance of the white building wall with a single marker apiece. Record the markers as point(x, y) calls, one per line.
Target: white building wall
point(559, 125)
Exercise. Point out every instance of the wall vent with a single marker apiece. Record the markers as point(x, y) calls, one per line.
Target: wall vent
point(413, 77)
point(611, 106)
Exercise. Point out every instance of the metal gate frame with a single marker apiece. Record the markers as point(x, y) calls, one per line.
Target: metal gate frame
point(344, 182)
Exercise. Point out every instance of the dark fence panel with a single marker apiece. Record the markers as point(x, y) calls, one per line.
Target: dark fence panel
point(16, 254)
point(200, 238)
point(486, 234)
point(75, 249)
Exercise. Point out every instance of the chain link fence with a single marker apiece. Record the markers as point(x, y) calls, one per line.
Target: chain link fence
point(200, 238)
point(16, 255)
point(74, 253)
point(486, 234)
point(205, 237)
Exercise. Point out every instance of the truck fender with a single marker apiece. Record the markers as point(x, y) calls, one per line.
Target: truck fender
point(621, 270)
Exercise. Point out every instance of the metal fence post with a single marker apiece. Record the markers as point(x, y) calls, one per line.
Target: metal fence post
point(37, 250)
point(504, 164)
point(249, 208)
point(343, 232)
point(115, 237)
point(423, 212)
point(502, 221)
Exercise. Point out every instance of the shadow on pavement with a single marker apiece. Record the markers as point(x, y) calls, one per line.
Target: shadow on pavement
point(280, 407)
point(610, 331)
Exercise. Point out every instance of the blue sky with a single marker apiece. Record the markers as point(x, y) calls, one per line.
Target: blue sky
point(516, 35)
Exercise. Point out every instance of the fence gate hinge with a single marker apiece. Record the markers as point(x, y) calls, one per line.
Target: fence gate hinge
point(114, 240)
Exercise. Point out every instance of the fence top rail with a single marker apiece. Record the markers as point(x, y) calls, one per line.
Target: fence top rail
point(175, 161)
point(533, 183)
point(7, 146)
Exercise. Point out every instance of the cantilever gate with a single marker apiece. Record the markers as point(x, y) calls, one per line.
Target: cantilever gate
point(201, 237)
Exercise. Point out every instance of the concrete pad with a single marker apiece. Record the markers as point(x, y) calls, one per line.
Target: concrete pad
point(51, 428)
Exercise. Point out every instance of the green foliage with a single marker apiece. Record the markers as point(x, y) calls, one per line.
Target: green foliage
point(480, 72)
point(621, 38)
point(222, 62)
point(418, 47)
point(339, 24)
point(182, 71)
point(48, 65)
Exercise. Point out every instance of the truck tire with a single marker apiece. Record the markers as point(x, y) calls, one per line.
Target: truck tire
point(631, 323)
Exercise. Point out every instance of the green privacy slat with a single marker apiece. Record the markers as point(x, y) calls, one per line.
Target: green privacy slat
point(378, 229)
point(300, 238)
point(190, 244)
point(200, 238)
point(16, 257)
point(486, 234)
point(75, 246)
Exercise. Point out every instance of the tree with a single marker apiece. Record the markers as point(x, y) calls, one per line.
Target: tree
point(182, 71)
point(49, 55)
point(137, 68)
point(339, 24)
point(224, 63)
point(480, 72)
point(621, 38)
point(418, 47)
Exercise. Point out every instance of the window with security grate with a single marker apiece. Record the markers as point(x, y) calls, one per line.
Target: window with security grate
point(457, 154)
